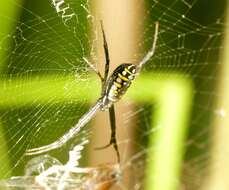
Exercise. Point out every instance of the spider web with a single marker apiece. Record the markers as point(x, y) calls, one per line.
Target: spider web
point(52, 38)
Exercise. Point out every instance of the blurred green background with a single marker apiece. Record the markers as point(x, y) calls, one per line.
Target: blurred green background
point(36, 44)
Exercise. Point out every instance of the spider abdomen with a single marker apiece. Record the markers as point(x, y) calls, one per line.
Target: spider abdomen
point(119, 81)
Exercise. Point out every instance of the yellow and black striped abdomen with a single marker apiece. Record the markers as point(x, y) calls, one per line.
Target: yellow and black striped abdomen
point(119, 81)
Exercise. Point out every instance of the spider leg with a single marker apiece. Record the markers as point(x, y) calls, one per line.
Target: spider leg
point(93, 68)
point(69, 134)
point(151, 51)
point(107, 57)
point(113, 140)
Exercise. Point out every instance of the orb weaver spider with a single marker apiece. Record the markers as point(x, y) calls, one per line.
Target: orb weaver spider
point(113, 88)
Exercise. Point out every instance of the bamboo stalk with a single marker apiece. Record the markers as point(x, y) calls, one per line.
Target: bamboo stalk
point(119, 19)
point(219, 170)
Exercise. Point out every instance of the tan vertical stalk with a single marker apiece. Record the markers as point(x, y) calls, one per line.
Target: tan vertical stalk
point(219, 171)
point(119, 18)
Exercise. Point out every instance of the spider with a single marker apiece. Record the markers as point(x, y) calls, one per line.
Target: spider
point(113, 87)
